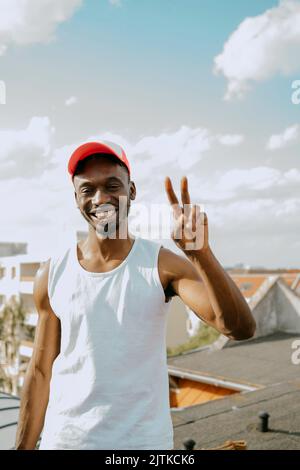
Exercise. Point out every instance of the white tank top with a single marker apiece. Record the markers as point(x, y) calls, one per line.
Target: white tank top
point(109, 387)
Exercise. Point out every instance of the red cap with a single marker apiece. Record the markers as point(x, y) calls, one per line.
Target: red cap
point(89, 148)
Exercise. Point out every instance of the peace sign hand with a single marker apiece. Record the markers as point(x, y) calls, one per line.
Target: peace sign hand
point(190, 231)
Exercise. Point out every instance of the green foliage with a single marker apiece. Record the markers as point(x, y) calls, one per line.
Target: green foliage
point(29, 332)
point(12, 320)
point(204, 336)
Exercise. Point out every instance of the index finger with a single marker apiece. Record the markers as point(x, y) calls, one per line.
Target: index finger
point(170, 191)
point(185, 196)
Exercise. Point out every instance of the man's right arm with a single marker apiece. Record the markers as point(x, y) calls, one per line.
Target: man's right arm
point(35, 391)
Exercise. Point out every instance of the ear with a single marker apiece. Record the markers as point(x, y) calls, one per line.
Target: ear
point(132, 191)
point(76, 201)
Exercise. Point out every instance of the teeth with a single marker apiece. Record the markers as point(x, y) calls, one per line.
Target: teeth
point(104, 214)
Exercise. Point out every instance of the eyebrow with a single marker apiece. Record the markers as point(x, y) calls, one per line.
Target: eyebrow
point(110, 179)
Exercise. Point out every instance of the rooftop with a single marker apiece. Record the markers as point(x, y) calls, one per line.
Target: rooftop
point(9, 413)
point(265, 362)
point(248, 284)
point(262, 361)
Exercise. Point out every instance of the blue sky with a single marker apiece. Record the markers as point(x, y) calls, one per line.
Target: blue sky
point(141, 57)
point(142, 73)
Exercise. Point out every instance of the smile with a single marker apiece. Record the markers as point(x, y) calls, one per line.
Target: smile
point(104, 214)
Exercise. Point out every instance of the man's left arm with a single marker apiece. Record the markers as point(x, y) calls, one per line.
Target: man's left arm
point(199, 279)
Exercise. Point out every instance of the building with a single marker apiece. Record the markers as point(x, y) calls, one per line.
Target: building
point(12, 249)
point(249, 281)
point(17, 275)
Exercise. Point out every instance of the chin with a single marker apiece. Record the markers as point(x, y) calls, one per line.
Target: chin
point(104, 231)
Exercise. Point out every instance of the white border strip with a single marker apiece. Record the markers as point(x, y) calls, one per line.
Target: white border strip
point(212, 380)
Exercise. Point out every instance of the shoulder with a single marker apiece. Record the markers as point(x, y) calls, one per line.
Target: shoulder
point(176, 265)
point(166, 258)
point(172, 268)
point(40, 287)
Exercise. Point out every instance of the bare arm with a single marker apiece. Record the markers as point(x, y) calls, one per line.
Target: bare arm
point(205, 287)
point(35, 391)
point(200, 280)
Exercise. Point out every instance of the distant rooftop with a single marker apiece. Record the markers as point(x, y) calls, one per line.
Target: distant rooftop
point(262, 270)
point(12, 248)
point(27, 258)
point(248, 284)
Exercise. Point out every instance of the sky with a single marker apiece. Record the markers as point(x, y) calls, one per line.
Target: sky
point(204, 88)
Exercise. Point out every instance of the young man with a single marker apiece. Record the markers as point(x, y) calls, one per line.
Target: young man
point(98, 375)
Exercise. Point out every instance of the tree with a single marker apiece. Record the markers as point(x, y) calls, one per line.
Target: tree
point(205, 335)
point(12, 321)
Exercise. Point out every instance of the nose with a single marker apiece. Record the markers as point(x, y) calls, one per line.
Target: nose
point(100, 197)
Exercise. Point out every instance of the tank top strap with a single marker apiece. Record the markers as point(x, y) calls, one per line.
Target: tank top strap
point(147, 258)
point(57, 265)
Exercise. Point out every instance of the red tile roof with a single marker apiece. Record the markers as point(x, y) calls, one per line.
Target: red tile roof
point(248, 284)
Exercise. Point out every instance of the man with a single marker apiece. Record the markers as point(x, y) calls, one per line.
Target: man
point(98, 375)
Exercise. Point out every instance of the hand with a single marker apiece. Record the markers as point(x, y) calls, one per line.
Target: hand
point(190, 230)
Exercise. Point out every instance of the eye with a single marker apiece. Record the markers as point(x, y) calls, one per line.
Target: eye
point(86, 190)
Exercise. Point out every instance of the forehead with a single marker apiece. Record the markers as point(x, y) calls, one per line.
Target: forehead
point(100, 169)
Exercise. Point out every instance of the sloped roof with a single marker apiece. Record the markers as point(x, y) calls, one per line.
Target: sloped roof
point(249, 284)
point(264, 361)
point(255, 277)
point(236, 418)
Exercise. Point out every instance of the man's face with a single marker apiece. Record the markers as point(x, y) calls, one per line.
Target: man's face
point(100, 188)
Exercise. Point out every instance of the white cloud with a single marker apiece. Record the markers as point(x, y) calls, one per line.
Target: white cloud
point(243, 203)
point(258, 217)
point(243, 183)
point(38, 172)
point(278, 141)
point(32, 21)
point(71, 100)
point(261, 47)
point(231, 139)
point(292, 175)
point(116, 3)
point(177, 151)
point(254, 178)
point(243, 214)
point(182, 148)
point(24, 152)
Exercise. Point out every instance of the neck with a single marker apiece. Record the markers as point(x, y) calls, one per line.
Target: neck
point(106, 247)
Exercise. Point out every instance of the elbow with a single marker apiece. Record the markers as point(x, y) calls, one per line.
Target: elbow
point(242, 330)
point(252, 328)
point(245, 332)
